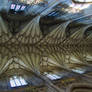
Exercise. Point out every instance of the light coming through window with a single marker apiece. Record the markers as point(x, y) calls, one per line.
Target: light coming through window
point(17, 81)
point(52, 76)
point(78, 71)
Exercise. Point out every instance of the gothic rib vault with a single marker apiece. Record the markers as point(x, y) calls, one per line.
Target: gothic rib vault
point(68, 45)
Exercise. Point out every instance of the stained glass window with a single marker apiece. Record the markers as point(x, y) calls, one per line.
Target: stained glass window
point(23, 7)
point(13, 6)
point(17, 81)
point(17, 7)
point(78, 71)
point(52, 76)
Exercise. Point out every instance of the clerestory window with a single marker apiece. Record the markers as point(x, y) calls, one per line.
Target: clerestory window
point(17, 81)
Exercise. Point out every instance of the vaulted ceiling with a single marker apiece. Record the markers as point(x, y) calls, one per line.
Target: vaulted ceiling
point(47, 37)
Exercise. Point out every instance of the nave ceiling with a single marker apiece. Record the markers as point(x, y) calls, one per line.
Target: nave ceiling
point(40, 43)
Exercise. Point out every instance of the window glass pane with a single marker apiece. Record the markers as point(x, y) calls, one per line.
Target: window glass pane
point(50, 76)
point(17, 7)
point(56, 76)
point(12, 83)
point(17, 82)
point(23, 7)
point(12, 6)
point(23, 82)
point(53, 76)
point(78, 71)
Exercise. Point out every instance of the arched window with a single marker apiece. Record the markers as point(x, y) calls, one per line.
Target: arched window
point(52, 76)
point(17, 81)
point(80, 71)
point(17, 7)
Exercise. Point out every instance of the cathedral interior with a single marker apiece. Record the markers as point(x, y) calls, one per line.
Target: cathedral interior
point(45, 46)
